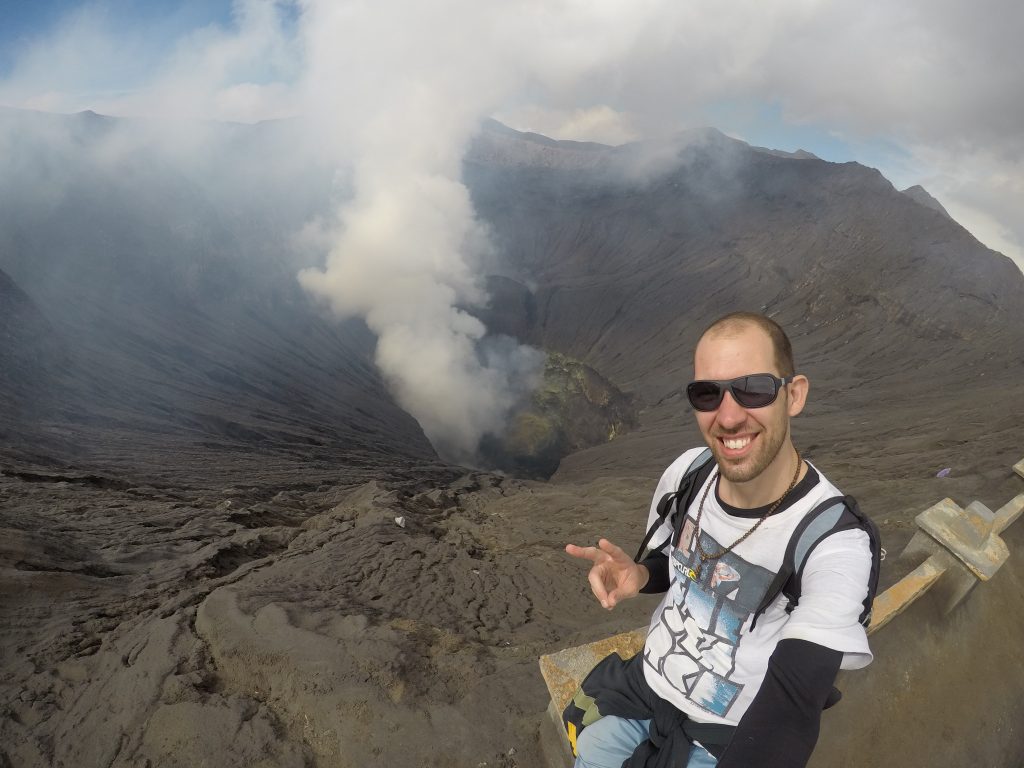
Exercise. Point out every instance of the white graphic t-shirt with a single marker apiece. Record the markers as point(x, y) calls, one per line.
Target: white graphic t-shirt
point(700, 653)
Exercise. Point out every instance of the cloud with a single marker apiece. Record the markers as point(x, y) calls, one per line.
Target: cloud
point(80, 60)
point(94, 58)
point(941, 80)
point(980, 190)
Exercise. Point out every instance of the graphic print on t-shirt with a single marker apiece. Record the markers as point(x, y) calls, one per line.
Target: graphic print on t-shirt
point(693, 644)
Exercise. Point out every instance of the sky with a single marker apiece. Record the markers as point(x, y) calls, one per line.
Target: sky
point(929, 92)
point(391, 92)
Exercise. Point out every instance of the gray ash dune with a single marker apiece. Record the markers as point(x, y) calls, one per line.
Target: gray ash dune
point(220, 539)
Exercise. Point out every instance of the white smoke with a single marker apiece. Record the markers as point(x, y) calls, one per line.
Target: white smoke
point(401, 89)
point(406, 246)
point(404, 259)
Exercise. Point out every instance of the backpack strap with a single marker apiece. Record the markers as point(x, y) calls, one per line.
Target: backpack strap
point(839, 513)
point(691, 481)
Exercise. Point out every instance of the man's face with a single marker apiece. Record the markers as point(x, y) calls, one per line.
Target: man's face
point(744, 441)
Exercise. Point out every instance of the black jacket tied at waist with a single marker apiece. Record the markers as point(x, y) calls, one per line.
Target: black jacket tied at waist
point(618, 688)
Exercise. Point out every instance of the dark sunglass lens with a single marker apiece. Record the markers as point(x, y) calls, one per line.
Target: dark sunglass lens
point(754, 391)
point(704, 395)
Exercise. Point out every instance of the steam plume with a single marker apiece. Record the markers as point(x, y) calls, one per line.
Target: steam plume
point(407, 247)
point(404, 260)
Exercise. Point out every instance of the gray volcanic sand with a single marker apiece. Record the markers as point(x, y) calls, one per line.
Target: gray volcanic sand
point(301, 625)
point(304, 627)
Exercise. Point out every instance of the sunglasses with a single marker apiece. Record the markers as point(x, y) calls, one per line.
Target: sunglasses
point(754, 391)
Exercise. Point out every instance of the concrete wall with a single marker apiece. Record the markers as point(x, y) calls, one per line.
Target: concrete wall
point(944, 691)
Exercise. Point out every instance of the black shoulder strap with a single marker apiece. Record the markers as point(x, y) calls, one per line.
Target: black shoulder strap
point(693, 478)
point(839, 513)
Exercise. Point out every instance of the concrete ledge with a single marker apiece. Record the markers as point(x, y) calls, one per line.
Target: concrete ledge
point(967, 534)
point(564, 671)
point(900, 595)
point(554, 746)
point(1008, 513)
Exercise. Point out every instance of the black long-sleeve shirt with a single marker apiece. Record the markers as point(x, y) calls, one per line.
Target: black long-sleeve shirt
point(780, 728)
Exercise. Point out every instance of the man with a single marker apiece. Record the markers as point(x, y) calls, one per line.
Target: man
point(703, 661)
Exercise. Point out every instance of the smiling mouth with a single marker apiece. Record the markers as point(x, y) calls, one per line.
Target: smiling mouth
point(737, 444)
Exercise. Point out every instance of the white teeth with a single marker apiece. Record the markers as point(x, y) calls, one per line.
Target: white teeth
point(737, 443)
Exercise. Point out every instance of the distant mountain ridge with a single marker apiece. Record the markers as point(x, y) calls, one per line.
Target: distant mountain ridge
point(921, 195)
point(174, 295)
point(627, 270)
point(885, 302)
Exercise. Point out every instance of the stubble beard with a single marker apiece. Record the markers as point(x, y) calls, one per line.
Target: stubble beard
point(769, 443)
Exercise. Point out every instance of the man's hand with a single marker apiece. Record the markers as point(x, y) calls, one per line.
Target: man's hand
point(614, 576)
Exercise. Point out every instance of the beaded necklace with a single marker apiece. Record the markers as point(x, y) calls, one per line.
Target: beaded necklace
point(705, 556)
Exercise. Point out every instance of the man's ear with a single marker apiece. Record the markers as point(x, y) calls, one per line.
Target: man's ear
point(798, 389)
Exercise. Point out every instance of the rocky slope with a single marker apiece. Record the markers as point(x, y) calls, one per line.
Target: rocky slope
point(899, 316)
point(629, 269)
point(173, 298)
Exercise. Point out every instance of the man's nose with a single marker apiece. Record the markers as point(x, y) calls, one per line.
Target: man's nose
point(730, 413)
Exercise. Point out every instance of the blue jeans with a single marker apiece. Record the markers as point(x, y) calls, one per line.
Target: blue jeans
point(611, 740)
